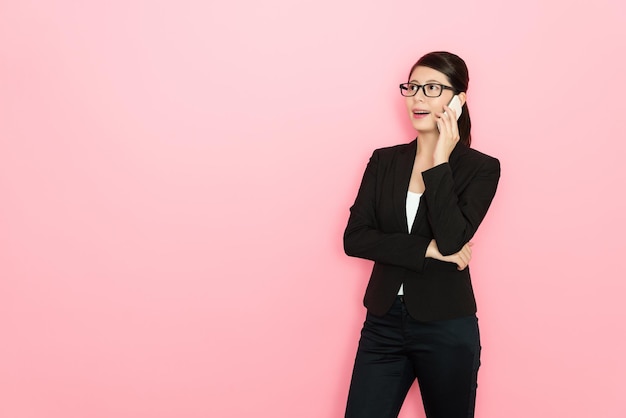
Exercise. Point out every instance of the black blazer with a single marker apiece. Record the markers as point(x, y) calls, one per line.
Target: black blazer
point(455, 201)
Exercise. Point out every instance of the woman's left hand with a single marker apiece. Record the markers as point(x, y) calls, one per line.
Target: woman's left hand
point(461, 259)
point(448, 135)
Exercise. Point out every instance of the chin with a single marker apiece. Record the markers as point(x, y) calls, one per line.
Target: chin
point(423, 125)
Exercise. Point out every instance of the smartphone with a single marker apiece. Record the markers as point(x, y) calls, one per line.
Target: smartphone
point(455, 104)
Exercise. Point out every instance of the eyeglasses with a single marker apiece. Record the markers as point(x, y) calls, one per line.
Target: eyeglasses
point(430, 89)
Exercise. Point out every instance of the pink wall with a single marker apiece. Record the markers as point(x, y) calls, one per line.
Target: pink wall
point(175, 177)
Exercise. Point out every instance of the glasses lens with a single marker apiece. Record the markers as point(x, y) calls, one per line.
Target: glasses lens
point(408, 89)
point(432, 90)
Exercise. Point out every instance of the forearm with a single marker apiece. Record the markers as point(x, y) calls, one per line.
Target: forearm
point(454, 218)
point(400, 249)
point(461, 258)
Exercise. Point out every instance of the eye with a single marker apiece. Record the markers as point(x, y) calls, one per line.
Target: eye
point(433, 87)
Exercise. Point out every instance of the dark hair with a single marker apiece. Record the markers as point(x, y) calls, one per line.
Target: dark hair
point(453, 67)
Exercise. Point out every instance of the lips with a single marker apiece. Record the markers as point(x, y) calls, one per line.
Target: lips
point(419, 113)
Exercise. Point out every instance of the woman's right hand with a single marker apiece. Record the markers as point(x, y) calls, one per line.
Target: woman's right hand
point(461, 259)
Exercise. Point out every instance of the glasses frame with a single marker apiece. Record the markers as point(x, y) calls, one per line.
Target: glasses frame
point(423, 87)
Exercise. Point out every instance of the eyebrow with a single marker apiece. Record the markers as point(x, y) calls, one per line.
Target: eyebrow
point(427, 81)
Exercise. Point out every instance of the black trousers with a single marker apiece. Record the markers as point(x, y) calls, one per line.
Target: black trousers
point(395, 350)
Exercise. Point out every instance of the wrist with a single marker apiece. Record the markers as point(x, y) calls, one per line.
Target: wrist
point(440, 158)
point(432, 250)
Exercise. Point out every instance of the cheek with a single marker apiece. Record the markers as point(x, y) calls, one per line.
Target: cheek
point(444, 100)
point(408, 102)
point(438, 104)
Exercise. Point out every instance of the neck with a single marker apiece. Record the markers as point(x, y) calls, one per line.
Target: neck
point(426, 142)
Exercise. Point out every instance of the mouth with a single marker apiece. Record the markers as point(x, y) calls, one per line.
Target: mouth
point(420, 114)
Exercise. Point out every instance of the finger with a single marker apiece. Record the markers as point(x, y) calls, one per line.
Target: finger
point(438, 114)
point(449, 112)
point(442, 116)
point(454, 126)
point(445, 132)
point(464, 258)
point(465, 255)
point(460, 265)
point(454, 131)
point(446, 117)
point(465, 262)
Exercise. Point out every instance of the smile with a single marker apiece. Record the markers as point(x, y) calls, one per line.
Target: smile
point(419, 114)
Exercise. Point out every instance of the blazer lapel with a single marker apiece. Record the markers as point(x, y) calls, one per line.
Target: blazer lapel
point(402, 177)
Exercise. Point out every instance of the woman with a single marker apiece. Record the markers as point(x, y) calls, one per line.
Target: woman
point(418, 206)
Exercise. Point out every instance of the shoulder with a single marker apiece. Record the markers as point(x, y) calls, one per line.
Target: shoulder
point(391, 151)
point(465, 156)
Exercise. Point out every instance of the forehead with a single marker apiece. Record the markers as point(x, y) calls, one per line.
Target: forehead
point(426, 74)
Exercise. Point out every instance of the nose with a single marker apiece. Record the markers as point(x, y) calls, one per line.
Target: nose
point(420, 94)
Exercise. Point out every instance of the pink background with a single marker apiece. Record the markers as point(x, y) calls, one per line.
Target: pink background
point(175, 177)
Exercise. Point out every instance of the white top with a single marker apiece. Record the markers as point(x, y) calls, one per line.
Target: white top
point(412, 204)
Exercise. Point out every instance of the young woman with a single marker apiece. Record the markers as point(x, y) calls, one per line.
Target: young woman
point(418, 206)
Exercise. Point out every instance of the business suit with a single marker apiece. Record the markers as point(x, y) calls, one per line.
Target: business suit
point(454, 203)
point(431, 333)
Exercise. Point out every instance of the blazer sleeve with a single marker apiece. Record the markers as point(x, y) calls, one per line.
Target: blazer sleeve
point(363, 237)
point(454, 218)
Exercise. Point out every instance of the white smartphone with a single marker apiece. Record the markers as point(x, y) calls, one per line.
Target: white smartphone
point(455, 104)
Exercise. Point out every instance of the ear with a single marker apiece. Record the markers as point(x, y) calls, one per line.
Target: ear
point(462, 98)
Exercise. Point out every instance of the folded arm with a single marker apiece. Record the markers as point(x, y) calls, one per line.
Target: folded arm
point(454, 218)
point(363, 237)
